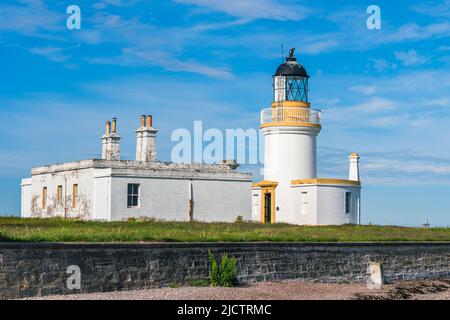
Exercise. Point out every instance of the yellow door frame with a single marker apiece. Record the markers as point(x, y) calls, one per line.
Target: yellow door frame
point(267, 187)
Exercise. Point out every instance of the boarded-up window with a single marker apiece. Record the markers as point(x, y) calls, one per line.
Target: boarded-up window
point(44, 198)
point(59, 195)
point(133, 195)
point(74, 195)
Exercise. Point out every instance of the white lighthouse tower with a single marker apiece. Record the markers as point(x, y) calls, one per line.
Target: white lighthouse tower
point(291, 191)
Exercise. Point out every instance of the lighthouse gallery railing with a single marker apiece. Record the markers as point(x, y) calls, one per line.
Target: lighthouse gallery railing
point(290, 115)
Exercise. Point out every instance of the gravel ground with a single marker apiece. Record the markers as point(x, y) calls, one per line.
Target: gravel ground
point(288, 290)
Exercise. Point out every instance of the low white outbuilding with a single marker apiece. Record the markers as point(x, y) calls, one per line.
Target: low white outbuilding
point(112, 189)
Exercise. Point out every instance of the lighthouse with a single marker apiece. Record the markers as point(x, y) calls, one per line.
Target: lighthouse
point(291, 192)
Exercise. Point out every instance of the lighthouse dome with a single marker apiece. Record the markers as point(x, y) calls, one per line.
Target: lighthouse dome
point(290, 81)
point(291, 67)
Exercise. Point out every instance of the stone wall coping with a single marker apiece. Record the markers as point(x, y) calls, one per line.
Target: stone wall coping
point(137, 165)
point(218, 245)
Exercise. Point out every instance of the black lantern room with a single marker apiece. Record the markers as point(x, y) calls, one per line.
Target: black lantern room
point(290, 81)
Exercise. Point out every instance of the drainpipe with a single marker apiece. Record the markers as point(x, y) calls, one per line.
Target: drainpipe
point(191, 201)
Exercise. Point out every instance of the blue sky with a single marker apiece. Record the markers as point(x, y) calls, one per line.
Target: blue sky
point(384, 93)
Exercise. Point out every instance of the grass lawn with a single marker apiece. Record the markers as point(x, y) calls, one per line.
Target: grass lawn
point(60, 230)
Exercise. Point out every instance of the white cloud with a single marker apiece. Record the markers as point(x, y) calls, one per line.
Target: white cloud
point(351, 33)
point(414, 32)
point(433, 8)
point(382, 65)
point(131, 37)
point(172, 64)
point(364, 89)
point(137, 48)
point(252, 10)
point(317, 47)
point(375, 112)
point(440, 102)
point(140, 57)
point(410, 58)
point(401, 104)
point(102, 4)
point(389, 167)
point(386, 121)
point(405, 165)
point(51, 53)
point(375, 104)
point(90, 37)
point(30, 18)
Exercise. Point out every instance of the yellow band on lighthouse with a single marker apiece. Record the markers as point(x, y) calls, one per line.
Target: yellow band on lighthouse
point(291, 104)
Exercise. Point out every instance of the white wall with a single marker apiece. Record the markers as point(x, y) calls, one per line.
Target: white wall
point(168, 199)
point(84, 205)
point(309, 215)
point(325, 205)
point(102, 195)
point(289, 153)
point(219, 200)
point(159, 198)
point(26, 198)
point(331, 205)
point(256, 204)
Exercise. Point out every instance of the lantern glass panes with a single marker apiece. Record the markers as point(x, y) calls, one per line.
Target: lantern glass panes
point(296, 88)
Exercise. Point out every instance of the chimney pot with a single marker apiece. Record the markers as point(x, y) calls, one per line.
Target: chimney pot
point(108, 127)
point(143, 119)
point(149, 121)
point(114, 125)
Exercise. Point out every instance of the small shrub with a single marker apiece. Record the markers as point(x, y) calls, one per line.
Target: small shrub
point(223, 273)
point(239, 219)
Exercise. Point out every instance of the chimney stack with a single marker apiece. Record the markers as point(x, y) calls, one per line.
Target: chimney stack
point(146, 140)
point(111, 141)
point(353, 172)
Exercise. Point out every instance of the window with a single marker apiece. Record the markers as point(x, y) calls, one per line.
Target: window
point(133, 195)
point(74, 195)
point(44, 197)
point(304, 204)
point(59, 195)
point(348, 202)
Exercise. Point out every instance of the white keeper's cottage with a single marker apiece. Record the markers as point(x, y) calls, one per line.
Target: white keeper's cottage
point(291, 192)
point(113, 189)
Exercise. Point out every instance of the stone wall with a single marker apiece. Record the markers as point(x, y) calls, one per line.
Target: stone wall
point(28, 269)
